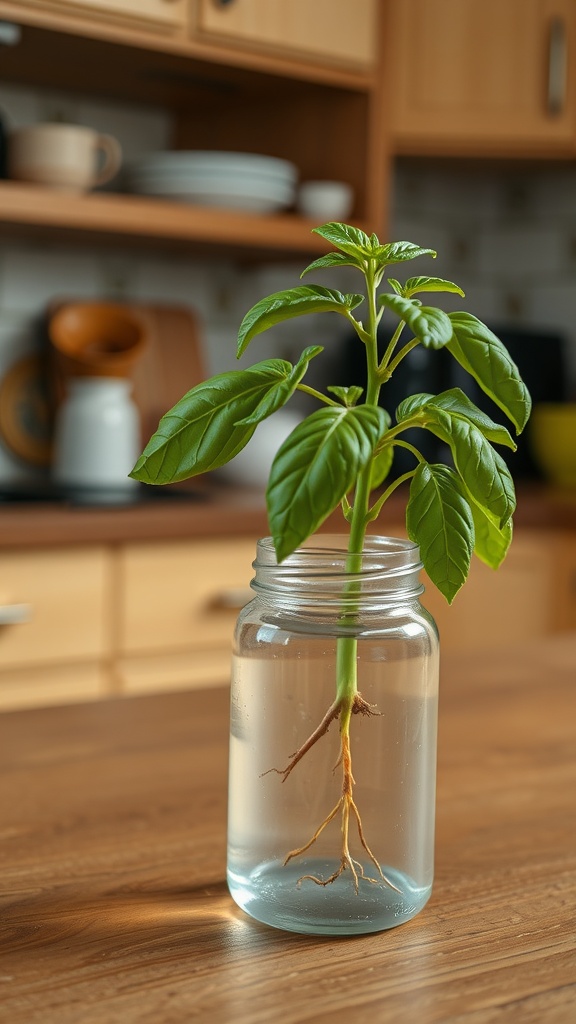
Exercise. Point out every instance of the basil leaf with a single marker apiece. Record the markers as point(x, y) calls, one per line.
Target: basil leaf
point(291, 303)
point(350, 240)
point(316, 466)
point(333, 259)
point(484, 356)
point(400, 252)
point(432, 326)
point(204, 430)
point(457, 403)
point(348, 396)
point(491, 543)
point(412, 405)
point(484, 472)
point(439, 520)
point(429, 284)
point(279, 393)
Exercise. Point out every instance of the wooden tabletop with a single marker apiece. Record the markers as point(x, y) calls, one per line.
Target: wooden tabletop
point(112, 859)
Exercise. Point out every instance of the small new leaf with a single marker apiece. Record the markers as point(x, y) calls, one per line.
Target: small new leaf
point(348, 239)
point(348, 396)
point(333, 259)
point(291, 303)
point(430, 325)
point(429, 284)
point(439, 520)
point(316, 467)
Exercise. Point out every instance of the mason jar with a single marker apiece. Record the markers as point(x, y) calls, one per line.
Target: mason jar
point(333, 739)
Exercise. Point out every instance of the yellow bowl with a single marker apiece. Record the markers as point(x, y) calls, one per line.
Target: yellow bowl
point(553, 441)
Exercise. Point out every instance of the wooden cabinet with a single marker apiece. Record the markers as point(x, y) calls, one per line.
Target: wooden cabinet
point(323, 30)
point(55, 617)
point(160, 14)
point(482, 77)
point(179, 604)
point(260, 76)
point(99, 620)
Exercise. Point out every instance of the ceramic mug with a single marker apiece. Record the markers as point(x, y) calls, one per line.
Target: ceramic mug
point(64, 156)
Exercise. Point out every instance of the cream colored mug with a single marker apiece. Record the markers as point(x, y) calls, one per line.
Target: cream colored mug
point(64, 156)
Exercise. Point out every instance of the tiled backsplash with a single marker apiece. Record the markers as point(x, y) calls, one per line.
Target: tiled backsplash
point(508, 237)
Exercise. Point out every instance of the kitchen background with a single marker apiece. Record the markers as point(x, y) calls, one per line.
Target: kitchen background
point(506, 233)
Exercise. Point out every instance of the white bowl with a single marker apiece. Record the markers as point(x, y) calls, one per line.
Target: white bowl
point(325, 200)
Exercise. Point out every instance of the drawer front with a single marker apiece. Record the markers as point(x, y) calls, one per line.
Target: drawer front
point(53, 605)
point(183, 595)
point(154, 673)
point(343, 31)
point(163, 14)
point(43, 686)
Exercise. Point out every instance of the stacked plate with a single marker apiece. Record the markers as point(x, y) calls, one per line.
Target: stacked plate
point(241, 181)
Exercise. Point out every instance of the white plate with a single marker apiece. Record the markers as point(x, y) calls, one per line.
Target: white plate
point(252, 204)
point(209, 161)
point(272, 191)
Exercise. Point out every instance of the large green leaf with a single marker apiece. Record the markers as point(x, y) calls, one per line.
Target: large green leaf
point(279, 393)
point(317, 465)
point(439, 520)
point(431, 325)
point(291, 303)
point(484, 472)
point(491, 543)
point(484, 356)
point(458, 404)
point(204, 430)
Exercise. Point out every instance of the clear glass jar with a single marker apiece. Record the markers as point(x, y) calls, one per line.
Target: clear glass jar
point(311, 626)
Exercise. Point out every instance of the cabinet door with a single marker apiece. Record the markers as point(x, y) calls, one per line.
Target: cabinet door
point(167, 14)
point(327, 30)
point(54, 606)
point(183, 595)
point(474, 76)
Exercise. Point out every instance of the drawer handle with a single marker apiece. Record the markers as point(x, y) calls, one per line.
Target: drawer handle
point(557, 65)
point(13, 614)
point(231, 600)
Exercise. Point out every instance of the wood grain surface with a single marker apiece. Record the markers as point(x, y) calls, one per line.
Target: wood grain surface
point(112, 851)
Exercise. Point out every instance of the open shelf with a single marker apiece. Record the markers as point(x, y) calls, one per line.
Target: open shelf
point(103, 216)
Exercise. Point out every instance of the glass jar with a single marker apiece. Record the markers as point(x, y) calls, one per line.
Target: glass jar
point(326, 838)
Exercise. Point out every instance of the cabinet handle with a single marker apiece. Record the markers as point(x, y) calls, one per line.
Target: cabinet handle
point(557, 65)
point(231, 600)
point(13, 614)
point(222, 3)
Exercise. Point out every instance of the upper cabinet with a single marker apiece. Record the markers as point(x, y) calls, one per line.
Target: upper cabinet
point(482, 77)
point(297, 80)
point(340, 31)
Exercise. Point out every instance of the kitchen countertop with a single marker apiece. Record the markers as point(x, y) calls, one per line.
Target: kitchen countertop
point(115, 908)
point(217, 510)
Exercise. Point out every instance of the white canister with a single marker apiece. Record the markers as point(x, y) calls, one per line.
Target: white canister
point(97, 441)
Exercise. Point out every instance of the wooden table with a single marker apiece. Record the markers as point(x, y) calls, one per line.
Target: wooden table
point(115, 909)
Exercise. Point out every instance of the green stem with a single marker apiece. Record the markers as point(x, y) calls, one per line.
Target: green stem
point(317, 394)
point(346, 653)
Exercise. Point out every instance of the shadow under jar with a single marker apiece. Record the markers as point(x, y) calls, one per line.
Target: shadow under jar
point(323, 619)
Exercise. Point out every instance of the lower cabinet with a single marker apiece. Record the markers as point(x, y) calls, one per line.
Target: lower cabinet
point(79, 623)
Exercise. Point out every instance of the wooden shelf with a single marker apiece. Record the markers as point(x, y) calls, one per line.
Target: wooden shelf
point(134, 219)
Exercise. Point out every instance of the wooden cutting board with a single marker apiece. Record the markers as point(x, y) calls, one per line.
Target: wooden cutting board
point(170, 364)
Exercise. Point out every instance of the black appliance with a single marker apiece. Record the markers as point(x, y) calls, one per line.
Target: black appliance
point(539, 355)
